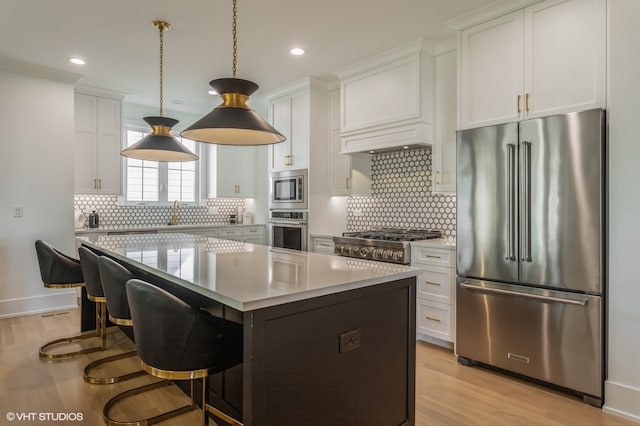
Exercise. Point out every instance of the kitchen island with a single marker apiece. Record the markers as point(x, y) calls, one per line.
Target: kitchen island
point(327, 340)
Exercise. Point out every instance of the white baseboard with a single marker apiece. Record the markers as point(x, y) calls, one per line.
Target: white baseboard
point(622, 400)
point(59, 301)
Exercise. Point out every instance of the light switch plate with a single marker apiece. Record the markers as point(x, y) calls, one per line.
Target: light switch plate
point(17, 211)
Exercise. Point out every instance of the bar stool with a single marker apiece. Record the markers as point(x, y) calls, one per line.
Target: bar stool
point(113, 277)
point(58, 270)
point(178, 342)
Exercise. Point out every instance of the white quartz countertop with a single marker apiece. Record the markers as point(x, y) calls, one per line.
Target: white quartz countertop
point(242, 275)
point(160, 228)
point(435, 242)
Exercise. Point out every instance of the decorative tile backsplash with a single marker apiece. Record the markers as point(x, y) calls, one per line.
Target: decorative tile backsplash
point(401, 196)
point(115, 216)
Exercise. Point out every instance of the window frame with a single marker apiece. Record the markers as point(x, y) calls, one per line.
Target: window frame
point(163, 171)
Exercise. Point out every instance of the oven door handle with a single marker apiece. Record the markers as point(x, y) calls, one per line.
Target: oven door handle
point(291, 224)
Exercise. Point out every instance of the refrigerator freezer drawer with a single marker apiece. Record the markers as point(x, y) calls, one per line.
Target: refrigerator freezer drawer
point(548, 335)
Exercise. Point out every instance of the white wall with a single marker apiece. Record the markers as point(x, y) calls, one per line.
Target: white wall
point(36, 118)
point(622, 388)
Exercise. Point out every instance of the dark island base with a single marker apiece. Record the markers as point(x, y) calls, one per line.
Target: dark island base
point(345, 358)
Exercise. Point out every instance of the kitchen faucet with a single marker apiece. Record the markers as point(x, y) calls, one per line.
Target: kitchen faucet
point(174, 214)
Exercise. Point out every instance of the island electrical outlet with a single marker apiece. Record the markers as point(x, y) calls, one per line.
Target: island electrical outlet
point(350, 340)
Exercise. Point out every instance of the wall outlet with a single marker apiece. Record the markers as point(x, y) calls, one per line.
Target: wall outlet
point(357, 212)
point(17, 211)
point(212, 210)
point(350, 340)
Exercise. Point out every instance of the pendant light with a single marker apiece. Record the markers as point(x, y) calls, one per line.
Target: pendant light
point(160, 145)
point(233, 122)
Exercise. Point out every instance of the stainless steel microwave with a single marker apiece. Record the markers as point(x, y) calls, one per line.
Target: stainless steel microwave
point(289, 190)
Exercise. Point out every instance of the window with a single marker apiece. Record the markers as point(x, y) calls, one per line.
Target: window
point(159, 182)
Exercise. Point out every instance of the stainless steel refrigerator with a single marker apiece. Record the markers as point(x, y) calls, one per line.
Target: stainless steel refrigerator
point(531, 249)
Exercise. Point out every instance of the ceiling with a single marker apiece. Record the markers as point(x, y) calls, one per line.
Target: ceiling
point(121, 46)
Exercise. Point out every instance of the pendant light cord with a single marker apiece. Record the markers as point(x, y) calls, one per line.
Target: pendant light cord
point(161, 28)
point(235, 37)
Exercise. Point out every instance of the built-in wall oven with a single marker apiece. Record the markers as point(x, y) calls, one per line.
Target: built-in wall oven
point(288, 229)
point(289, 190)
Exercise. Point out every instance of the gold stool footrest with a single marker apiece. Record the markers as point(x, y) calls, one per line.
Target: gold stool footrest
point(43, 348)
point(153, 420)
point(113, 379)
point(223, 416)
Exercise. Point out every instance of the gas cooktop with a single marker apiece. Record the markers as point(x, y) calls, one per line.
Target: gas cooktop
point(394, 234)
point(385, 244)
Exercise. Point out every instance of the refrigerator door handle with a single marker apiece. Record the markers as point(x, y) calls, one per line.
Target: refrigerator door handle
point(511, 197)
point(525, 202)
point(469, 286)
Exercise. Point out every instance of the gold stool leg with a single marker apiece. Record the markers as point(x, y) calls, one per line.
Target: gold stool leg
point(143, 422)
point(94, 380)
point(100, 331)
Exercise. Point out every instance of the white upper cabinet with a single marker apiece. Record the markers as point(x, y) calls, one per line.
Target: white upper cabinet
point(291, 113)
point(548, 58)
point(387, 101)
point(349, 174)
point(444, 145)
point(231, 171)
point(98, 142)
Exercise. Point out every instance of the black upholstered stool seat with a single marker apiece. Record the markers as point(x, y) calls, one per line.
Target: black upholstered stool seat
point(58, 270)
point(178, 342)
point(113, 278)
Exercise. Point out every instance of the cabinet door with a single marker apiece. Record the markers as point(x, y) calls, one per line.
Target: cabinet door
point(565, 56)
point(245, 171)
point(84, 161)
point(339, 164)
point(280, 112)
point(109, 137)
point(491, 72)
point(226, 183)
point(299, 130)
point(444, 147)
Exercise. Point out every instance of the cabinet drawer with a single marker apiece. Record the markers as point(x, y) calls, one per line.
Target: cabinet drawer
point(432, 256)
point(253, 231)
point(434, 319)
point(322, 245)
point(436, 283)
point(230, 233)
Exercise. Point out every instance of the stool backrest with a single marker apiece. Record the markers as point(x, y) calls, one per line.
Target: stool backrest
point(172, 335)
point(56, 267)
point(89, 263)
point(114, 279)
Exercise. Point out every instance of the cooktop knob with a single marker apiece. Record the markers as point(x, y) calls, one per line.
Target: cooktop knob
point(377, 253)
point(387, 254)
point(398, 255)
point(363, 252)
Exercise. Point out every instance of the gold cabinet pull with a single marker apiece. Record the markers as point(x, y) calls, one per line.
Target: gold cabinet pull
point(518, 104)
point(95, 183)
point(526, 102)
point(432, 319)
point(429, 282)
point(433, 257)
point(347, 183)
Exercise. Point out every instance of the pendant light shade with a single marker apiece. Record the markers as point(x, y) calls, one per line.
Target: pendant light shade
point(233, 122)
point(160, 145)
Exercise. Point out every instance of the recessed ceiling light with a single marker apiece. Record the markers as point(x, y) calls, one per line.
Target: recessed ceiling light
point(212, 92)
point(77, 61)
point(296, 51)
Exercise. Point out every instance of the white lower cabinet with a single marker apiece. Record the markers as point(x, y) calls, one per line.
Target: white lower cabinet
point(249, 234)
point(321, 244)
point(435, 300)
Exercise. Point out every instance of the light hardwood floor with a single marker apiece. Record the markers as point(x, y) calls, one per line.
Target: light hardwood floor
point(446, 392)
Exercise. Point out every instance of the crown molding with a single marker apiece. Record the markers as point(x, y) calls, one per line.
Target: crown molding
point(488, 12)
